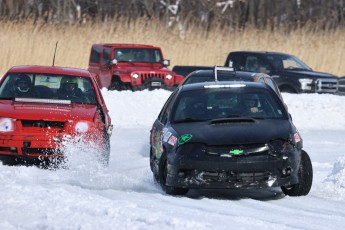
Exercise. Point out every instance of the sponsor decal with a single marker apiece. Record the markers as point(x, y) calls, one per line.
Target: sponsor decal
point(236, 151)
point(184, 138)
point(166, 136)
point(296, 137)
point(172, 140)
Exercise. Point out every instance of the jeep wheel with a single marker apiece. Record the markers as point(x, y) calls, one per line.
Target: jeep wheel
point(305, 178)
point(163, 171)
point(115, 86)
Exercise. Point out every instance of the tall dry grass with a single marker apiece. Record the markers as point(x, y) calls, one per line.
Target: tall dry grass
point(25, 43)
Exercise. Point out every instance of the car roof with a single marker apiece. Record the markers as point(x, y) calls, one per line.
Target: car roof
point(126, 45)
point(225, 72)
point(207, 73)
point(260, 52)
point(49, 70)
point(224, 84)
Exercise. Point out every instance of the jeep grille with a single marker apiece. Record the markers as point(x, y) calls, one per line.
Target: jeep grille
point(145, 76)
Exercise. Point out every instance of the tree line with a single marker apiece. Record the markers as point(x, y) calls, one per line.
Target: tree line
point(229, 14)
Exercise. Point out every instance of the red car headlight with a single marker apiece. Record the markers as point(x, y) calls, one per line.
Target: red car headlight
point(83, 126)
point(7, 124)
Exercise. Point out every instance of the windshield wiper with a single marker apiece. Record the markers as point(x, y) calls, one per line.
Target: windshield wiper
point(189, 119)
point(7, 98)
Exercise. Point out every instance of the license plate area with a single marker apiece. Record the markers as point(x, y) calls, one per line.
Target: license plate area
point(156, 84)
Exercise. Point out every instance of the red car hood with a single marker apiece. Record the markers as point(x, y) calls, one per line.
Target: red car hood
point(42, 111)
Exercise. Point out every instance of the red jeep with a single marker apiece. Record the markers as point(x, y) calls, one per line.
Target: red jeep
point(131, 67)
point(42, 106)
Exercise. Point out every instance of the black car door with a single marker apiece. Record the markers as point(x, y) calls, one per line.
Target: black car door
point(160, 126)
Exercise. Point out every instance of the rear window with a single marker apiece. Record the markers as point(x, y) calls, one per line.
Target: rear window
point(211, 104)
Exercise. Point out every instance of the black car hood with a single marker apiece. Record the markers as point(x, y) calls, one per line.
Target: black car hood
point(235, 131)
point(312, 74)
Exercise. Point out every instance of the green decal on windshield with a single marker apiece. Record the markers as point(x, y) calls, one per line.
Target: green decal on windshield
point(184, 138)
point(236, 151)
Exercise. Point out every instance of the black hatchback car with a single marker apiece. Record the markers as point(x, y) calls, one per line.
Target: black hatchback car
point(228, 135)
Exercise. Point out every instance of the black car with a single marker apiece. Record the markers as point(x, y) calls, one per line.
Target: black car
point(229, 74)
point(228, 135)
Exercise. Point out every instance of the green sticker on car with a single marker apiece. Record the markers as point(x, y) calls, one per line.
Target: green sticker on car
point(184, 138)
point(236, 151)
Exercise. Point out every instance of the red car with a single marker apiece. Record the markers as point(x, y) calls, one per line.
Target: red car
point(42, 106)
point(131, 67)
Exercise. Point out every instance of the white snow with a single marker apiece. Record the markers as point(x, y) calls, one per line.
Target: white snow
point(124, 195)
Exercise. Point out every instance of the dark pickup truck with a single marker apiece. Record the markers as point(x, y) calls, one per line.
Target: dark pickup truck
point(289, 72)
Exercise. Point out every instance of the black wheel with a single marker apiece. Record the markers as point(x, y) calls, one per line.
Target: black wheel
point(162, 174)
point(287, 89)
point(305, 177)
point(9, 160)
point(153, 166)
point(115, 86)
point(106, 150)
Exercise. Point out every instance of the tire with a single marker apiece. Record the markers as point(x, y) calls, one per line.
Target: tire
point(162, 175)
point(152, 167)
point(115, 86)
point(8, 160)
point(287, 89)
point(305, 178)
point(106, 150)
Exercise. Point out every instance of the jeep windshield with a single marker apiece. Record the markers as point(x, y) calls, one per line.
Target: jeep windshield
point(138, 55)
point(203, 105)
point(44, 88)
point(287, 62)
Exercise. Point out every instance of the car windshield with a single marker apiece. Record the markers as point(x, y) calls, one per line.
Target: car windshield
point(48, 86)
point(138, 55)
point(209, 104)
point(284, 62)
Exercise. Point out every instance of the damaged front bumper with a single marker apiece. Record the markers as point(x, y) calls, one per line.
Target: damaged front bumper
point(204, 171)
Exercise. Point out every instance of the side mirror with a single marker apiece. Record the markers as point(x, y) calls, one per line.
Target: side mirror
point(166, 62)
point(113, 62)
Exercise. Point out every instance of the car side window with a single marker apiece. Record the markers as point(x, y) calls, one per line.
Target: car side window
point(106, 56)
point(238, 62)
point(256, 64)
point(163, 113)
point(95, 55)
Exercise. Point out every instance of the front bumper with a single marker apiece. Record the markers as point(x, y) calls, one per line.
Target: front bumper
point(154, 83)
point(256, 170)
point(39, 145)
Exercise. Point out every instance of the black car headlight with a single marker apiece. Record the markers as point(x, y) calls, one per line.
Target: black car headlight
point(280, 146)
point(191, 148)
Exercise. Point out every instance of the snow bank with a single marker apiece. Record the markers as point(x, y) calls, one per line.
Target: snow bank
point(316, 111)
point(335, 182)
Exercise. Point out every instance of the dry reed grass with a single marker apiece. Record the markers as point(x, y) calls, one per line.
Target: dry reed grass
point(25, 43)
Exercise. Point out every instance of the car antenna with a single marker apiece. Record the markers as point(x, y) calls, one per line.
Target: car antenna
point(55, 52)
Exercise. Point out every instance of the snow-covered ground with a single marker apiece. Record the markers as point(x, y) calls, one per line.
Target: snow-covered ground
point(124, 195)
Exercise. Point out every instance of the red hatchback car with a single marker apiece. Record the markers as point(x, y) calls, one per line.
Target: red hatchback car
point(41, 106)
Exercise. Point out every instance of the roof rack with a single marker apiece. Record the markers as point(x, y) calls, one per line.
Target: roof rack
point(222, 68)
